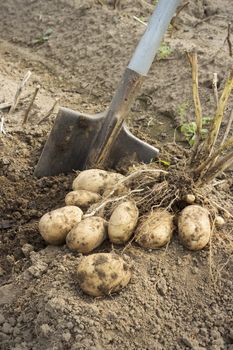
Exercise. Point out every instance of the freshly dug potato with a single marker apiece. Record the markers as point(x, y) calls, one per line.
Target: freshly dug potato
point(219, 221)
point(103, 274)
point(123, 222)
point(93, 180)
point(55, 225)
point(82, 198)
point(97, 181)
point(194, 227)
point(115, 181)
point(156, 230)
point(87, 235)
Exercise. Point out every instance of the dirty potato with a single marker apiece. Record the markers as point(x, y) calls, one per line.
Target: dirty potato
point(194, 227)
point(55, 225)
point(115, 181)
point(82, 198)
point(93, 180)
point(103, 274)
point(98, 181)
point(87, 235)
point(156, 230)
point(123, 222)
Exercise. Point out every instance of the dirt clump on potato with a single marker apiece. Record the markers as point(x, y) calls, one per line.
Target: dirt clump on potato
point(194, 227)
point(87, 235)
point(156, 230)
point(55, 225)
point(122, 222)
point(103, 274)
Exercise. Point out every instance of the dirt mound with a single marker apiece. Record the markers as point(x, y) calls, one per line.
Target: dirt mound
point(77, 51)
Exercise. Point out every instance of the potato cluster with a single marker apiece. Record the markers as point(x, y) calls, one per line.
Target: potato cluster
point(105, 273)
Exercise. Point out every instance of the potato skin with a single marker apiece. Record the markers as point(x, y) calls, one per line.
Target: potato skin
point(98, 181)
point(81, 198)
point(103, 274)
point(55, 225)
point(87, 235)
point(93, 180)
point(123, 222)
point(194, 227)
point(115, 180)
point(156, 230)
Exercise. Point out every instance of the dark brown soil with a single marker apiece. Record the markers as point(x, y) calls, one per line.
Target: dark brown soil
point(176, 299)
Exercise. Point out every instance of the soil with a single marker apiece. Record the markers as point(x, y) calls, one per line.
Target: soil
point(77, 51)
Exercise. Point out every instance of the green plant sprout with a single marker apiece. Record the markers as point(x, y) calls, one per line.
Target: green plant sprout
point(164, 51)
point(41, 39)
point(189, 130)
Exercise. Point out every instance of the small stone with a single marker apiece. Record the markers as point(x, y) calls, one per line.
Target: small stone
point(161, 286)
point(219, 342)
point(215, 334)
point(16, 331)
point(66, 336)
point(27, 249)
point(195, 270)
point(8, 293)
point(12, 321)
point(187, 341)
point(190, 198)
point(6, 328)
point(219, 221)
point(38, 270)
point(69, 325)
point(45, 329)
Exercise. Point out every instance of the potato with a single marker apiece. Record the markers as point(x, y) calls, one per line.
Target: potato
point(93, 180)
point(87, 235)
point(55, 225)
point(156, 230)
point(103, 274)
point(82, 198)
point(115, 180)
point(123, 222)
point(219, 221)
point(194, 227)
point(97, 181)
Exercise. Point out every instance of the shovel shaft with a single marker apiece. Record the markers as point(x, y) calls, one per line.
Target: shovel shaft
point(150, 41)
point(112, 125)
point(131, 83)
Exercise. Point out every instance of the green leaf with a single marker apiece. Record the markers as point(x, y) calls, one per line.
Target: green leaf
point(164, 162)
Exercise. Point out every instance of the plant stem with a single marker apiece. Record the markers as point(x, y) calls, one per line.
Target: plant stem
point(31, 104)
point(219, 167)
point(192, 56)
point(212, 159)
point(216, 122)
point(228, 128)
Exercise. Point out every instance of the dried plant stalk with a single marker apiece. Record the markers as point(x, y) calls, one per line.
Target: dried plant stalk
point(228, 128)
point(192, 56)
point(216, 123)
point(223, 164)
point(31, 104)
point(196, 99)
point(49, 112)
point(19, 91)
point(215, 82)
point(212, 159)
